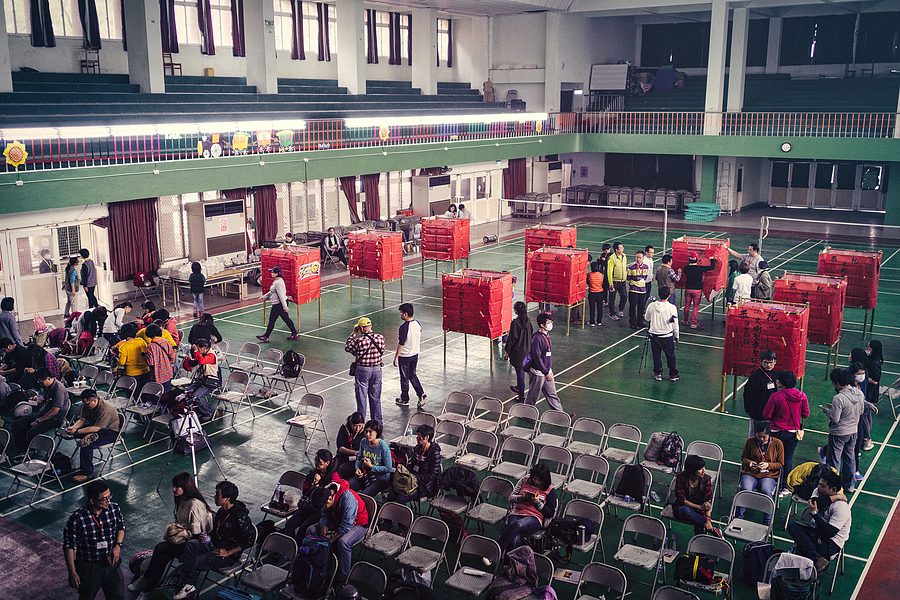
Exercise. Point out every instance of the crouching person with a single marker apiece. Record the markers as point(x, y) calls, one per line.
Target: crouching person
point(824, 537)
point(344, 523)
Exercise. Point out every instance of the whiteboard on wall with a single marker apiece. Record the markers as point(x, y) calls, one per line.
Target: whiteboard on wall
point(609, 77)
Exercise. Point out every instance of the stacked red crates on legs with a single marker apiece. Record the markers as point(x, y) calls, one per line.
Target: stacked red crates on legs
point(375, 255)
point(300, 269)
point(706, 249)
point(826, 297)
point(756, 326)
point(548, 235)
point(862, 270)
point(557, 276)
point(445, 239)
point(477, 302)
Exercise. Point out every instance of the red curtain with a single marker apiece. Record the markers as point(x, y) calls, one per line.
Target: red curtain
point(514, 178)
point(449, 42)
point(204, 20)
point(371, 38)
point(348, 186)
point(235, 194)
point(373, 202)
point(265, 213)
point(168, 30)
point(323, 11)
point(133, 243)
point(238, 41)
point(298, 51)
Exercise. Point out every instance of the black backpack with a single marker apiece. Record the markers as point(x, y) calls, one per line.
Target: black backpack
point(459, 481)
point(310, 574)
point(793, 588)
point(631, 483)
point(400, 589)
point(756, 554)
point(695, 567)
point(567, 532)
point(290, 364)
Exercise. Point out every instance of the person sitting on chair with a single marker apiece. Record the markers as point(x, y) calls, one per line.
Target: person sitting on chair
point(322, 474)
point(204, 363)
point(333, 244)
point(694, 495)
point(374, 464)
point(825, 536)
point(349, 436)
point(53, 412)
point(98, 426)
point(424, 461)
point(532, 505)
point(344, 522)
point(761, 463)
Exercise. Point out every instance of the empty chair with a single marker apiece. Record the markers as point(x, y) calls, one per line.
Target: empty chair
point(713, 455)
point(743, 529)
point(553, 429)
point(96, 354)
point(457, 407)
point(221, 349)
point(560, 462)
point(148, 404)
point(110, 448)
point(308, 418)
point(587, 436)
point(369, 580)
point(234, 393)
point(626, 436)
point(486, 415)
point(273, 566)
point(121, 394)
point(521, 421)
point(86, 379)
point(269, 363)
point(723, 552)
point(592, 512)
point(611, 581)
point(103, 382)
point(479, 450)
point(35, 464)
point(641, 544)
point(514, 459)
point(638, 503)
point(668, 592)
point(291, 479)
point(415, 420)
point(450, 435)
point(247, 357)
point(390, 529)
point(492, 503)
point(426, 545)
point(468, 575)
point(588, 477)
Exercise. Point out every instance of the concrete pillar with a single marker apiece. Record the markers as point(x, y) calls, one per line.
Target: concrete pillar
point(709, 168)
point(424, 50)
point(773, 47)
point(897, 121)
point(5, 64)
point(351, 48)
point(552, 61)
point(259, 33)
point(892, 198)
point(145, 66)
point(715, 73)
point(740, 23)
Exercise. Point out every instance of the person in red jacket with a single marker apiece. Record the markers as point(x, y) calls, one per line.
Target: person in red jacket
point(344, 522)
point(785, 410)
point(203, 362)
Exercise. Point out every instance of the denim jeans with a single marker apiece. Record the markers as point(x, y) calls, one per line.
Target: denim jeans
point(690, 515)
point(86, 453)
point(370, 487)
point(368, 386)
point(763, 485)
point(343, 548)
point(520, 379)
point(789, 441)
point(198, 556)
point(841, 455)
point(809, 544)
point(198, 302)
point(407, 366)
point(516, 528)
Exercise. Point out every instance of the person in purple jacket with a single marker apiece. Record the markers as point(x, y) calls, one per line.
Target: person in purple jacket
point(539, 364)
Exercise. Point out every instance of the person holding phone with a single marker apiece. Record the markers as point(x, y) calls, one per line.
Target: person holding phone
point(761, 463)
point(533, 503)
point(823, 538)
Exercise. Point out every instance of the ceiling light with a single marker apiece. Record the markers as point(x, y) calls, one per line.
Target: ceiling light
point(444, 120)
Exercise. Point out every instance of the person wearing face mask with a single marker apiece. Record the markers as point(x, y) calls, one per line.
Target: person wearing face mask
point(760, 385)
point(785, 410)
point(859, 369)
point(843, 414)
point(874, 362)
point(761, 463)
point(539, 364)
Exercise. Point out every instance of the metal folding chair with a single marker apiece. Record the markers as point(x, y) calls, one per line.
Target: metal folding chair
point(647, 557)
point(308, 418)
point(611, 579)
point(235, 392)
point(474, 550)
point(34, 465)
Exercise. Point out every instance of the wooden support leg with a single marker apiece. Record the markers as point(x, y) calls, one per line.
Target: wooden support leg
point(872, 322)
point(264, 314)
point(466, 345)
point(828, 360)
point(801, 383)
point(734, 391)
point(445, 349)
point(382, 295)
point(351, 290)
point(837, 350)
point(568, 319)
point(722, 399)
point(491, 342)
point(369, 282)
point(320, 311)
point(423, 269)
point(584, 310)
point(401, 289)
point(298, 318)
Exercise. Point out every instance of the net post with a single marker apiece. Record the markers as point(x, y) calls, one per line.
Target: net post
point(665, 228)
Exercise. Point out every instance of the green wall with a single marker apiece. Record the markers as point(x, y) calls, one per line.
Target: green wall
point(709, 170)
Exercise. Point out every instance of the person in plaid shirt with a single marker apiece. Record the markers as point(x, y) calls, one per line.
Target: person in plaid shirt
point(92, 545)
point(693, 496)
point(367, 349)
point(160, 355)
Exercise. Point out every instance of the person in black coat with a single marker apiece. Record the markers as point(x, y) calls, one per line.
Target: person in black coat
point(760, 385)
point(423, 461)
point(518, 344)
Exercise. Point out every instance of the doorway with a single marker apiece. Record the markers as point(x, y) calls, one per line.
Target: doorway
point(32, 271)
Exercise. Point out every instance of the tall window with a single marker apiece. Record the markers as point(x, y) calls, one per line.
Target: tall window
point(186, 22)
point(443, 40)
point(221, 20)
point(283, 32)
point(405, 20)
point(64, 14)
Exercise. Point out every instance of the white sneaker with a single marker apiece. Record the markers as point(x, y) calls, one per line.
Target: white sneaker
point(868, 445)
point(185, 592)
point(784, 492)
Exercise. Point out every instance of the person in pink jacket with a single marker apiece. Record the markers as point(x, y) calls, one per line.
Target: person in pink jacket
point(786, 409)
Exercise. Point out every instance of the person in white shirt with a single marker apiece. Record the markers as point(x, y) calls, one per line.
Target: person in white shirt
point(278, 298)
point(663, 318)
point(451, 212)
point(649, 251)
point(406, 357)
point(115, 320)
point(463, 213)
point(743, 284)
point(825, 536)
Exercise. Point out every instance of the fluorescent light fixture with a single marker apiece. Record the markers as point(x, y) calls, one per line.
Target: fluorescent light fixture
point(444, 120)
point(130, 130)
point(217, 127)
point(30, 133)
point(83, 132)
point(139, 129)
point(300, 124)
point(178, 129)
point(578, 92)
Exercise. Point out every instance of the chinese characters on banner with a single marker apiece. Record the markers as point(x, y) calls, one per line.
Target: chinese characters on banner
point(756, 326)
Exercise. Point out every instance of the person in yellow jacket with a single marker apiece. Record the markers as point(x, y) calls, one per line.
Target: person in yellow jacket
point(142, 334)
point(129, 354)
point(798, 475)
point(617, 280)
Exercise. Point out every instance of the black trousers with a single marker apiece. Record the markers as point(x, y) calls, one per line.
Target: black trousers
point(97, 575)
point(278, 311)
point(595, 302)
point(620, 288)
point(660, 345)
point(162, 556)
point(636, 304)
point(92, 299)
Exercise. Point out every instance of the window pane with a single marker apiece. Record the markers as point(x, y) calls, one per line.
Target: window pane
point(846, 176)
point(282, 25)
point(871, 177)
point(186, 18)
point(800, 175)
point(779, 174)
point(109, 15)
point(824, 175)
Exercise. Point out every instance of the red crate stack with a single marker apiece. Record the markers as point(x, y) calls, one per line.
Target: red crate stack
point(445, 239)
point(477, 302)
point(557, 276)
point(714, 280)
point(756, 326)
point(300, 269)
point(375, 255)
point(549, 235)
point(862, 270)
point(826, 297)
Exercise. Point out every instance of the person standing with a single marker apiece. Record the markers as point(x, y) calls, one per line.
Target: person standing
point(278, 299)
point(617, 280)
point(595, 294)
point(649, 251)
point(637, 290)
point(71, 286)
point(130, 356)
point(785, 410)
point(844, 413)
point(666, 277)
point(743, 284)
point(760, 385)
point(463, 212)
point(518, 343)
point(406, 357)
point(762, 290)
point(663, 318)
point(9, 327)
point(160, 357)
point(874, 366)
point(751, 259)
point(197, 281)
point(602, 260)
point(89, 277)
point(46, 265)
point(539, 363)
point(693, 288)
point(367, 349)
point(92, 545)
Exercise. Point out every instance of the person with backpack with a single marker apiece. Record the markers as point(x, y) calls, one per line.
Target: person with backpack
point(518, 342)
point(532, 505)
point(761, 463)
point(367, 349)
point(406, 357)
point(197, 281)
point(785, 410)
point(694, 496)
point(804, 478)
point(539, 363)
point(344, 523)
point(760, 385)
point(763, 288)
point(322, 474)
point(374, 464)
point(844, 413)
point(277, 298)
point(424, 464)
point(824, 538)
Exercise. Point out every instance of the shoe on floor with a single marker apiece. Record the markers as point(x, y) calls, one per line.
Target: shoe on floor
point(784, 492)
point(421, 403)
point(262, 338)
point(657, 377)
point(674, 378)
point(185, 592)
point(857, 476)
point(137, 585)
point(868, 445)
point(81, 478)
point(293, 338)
point(592, 324)
point(821, 564)
point(614, 317)
point(621, 313)
point(850, 490)
point(401, 402)
point(514, 389)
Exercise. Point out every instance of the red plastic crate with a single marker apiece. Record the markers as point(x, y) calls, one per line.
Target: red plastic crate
point(826, 297)
point(477, 302)
point(300, 268)
point(549, 235)
point(714, 280)
point(445, 239)
point(862, 270)
point(557, 276)
point(375, 254)
point(756, 326)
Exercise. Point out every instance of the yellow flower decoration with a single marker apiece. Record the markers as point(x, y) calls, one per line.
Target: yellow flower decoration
point(15, 154)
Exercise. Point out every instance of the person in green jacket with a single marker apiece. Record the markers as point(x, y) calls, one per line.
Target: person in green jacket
point(617, 276)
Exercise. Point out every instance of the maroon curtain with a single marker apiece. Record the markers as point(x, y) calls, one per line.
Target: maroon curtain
point(298, 50)
point(449, 42)
point(322, 13)
point(514, 178)
point(371, 38)
point(133, 244)
point(168, 32)
point(122, 17)
point(90, 26)
point(409, 46)
point(41, 25)
point(235, 194)
point(394, 54)
point(373, 202)
point(265, 213)
point(238, 41)
point(348, 186)
point(204, 20)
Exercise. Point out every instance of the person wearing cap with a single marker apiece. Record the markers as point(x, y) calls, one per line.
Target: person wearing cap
point(278, 298)
point(693, 288)
point(763, 288)
point(367, 349)
point(760, 385)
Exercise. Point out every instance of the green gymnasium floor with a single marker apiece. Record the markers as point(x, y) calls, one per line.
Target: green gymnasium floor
point(597, 374)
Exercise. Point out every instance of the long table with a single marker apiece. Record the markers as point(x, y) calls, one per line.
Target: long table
point(221, 280)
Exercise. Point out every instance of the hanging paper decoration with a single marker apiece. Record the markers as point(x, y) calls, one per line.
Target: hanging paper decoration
point(15, 154)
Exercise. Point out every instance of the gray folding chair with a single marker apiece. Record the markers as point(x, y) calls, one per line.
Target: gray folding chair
point(637, 504)
point(232, 570)
point(4, 446)
point(35, 464)
point(593, 512)
point(588, 477)
point(309, 418)
point(451, 436)
point(723, 552)
point(545, 569)
point(268, 366)
point(110, 448)
point(486, 415)
point(457, 407)
point(412, 424)
point(147, 404)
point(655, 466)
point(745, 530)
point(610, 579)
point(86, 379)
point(479, 451)
point(514, 459)
point(484, 511)
point(289, 479)
point(625, 435)
point(273, 567)
point(521, 421)
point(96, 354)
point(426, 545)
point(369, 580)
point(631, 552)
point(587, 436)
point(389, 530)
point(553, 429)
point(467, 578)
point(235, 392)
point(668, 592)
point(713, 455)
point(560, 462)
point(247, 357)
point(121, 395)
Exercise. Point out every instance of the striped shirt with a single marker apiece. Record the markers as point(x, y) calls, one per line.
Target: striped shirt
point(367, 349)
point(85, 530)
point(160, 355)
point(637, 277)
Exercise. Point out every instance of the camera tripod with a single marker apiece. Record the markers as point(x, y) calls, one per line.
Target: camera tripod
point(189, 424)
point(644, 352)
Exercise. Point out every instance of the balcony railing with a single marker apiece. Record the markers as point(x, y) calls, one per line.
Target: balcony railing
point(66, 148)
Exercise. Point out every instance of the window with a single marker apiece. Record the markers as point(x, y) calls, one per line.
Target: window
point(664, 44)
point(879, 37)
point(824, 175)
point(382, 31)
point(443, 40)
point(779, 174)
point(817, 40)
point(871, 177)
point(221, 20)
point(65, 18)
point(757, 42)
point(284, 31)
point(404, 36)
point(283, 28)
point(800, 175)
point(109, 16)
point(69, 239)
point(846, 176)
point(186, 22)
point(64, 15)
point(18, 17)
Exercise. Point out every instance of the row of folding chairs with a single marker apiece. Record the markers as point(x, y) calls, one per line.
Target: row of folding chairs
point(265, 367)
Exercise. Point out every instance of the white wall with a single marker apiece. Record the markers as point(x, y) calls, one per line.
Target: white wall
point(470, 52)
point(594, 162)
point(593, 41)
point(518, 51)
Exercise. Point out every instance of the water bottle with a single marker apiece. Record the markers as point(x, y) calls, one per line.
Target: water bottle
point(654, 496)
point(673, 544)
point(409, 431)
point(277, 495)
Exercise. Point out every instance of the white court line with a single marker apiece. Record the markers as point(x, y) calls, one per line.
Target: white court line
point(884, 528)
